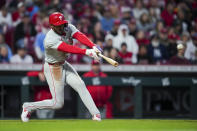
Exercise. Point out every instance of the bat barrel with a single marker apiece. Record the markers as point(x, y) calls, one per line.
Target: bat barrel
point(109, 60)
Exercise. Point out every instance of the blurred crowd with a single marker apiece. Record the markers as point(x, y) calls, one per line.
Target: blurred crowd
point(129, 31)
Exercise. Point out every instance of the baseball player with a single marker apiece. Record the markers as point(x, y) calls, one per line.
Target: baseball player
point(58, 72)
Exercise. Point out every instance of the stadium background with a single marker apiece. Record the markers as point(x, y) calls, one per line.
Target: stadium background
point(153, 29)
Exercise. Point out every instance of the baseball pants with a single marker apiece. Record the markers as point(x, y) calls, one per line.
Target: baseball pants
point(57, 76)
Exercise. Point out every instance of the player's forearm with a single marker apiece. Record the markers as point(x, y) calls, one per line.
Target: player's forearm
point(64, 47)
point(83, 39)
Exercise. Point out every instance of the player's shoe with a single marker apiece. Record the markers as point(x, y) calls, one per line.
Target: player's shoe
point(25, 115)
point(96, 117)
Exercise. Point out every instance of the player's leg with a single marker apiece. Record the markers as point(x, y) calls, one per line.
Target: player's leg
point(73, 79)
point(55, 79)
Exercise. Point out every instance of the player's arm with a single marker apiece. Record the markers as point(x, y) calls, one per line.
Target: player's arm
point(55, 42)
point(64, 47)
point(76, 34)
point(86, 41)
point(83, 39)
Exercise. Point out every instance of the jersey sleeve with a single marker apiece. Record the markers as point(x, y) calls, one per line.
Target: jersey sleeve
point(83, 39)
point(54, 41)
point(73, 29)
point(64, 47)
point(75, 33)
point(58, 44)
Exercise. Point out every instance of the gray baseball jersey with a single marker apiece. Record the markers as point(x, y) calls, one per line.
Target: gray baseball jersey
point(53, 40)
point(58, 75)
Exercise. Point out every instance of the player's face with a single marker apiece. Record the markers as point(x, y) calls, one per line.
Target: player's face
point(58, 29)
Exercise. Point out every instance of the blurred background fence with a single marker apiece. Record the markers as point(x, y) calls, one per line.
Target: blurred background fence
point(138, 92)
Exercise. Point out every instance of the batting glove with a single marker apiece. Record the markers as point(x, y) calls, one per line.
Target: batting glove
point(92, 53)
point(97, 49)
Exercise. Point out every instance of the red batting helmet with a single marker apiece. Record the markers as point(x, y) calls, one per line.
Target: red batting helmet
point(57, 19)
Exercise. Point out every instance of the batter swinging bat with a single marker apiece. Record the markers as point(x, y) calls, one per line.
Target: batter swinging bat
point(109, 60)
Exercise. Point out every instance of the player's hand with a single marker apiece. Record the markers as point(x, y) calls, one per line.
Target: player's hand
point(92, 53)
point(97, 49)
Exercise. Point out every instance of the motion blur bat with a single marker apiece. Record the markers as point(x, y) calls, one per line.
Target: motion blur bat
point(109, 60)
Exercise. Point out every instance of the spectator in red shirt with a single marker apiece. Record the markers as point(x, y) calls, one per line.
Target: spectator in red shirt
point(125, 55)
point(100, 94)
point(168, 14)
point(141, 38)
point(17, 15)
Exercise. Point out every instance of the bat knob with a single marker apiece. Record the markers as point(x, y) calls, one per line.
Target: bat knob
point(98, 53)
point(116, 64)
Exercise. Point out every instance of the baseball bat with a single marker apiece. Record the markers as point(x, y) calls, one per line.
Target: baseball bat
point(109, 60)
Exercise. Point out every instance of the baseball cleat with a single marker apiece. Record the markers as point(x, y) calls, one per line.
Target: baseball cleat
point(25, 115)
point(96, 117)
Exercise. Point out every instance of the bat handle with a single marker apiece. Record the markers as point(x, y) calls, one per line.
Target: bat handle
point(99, 54)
